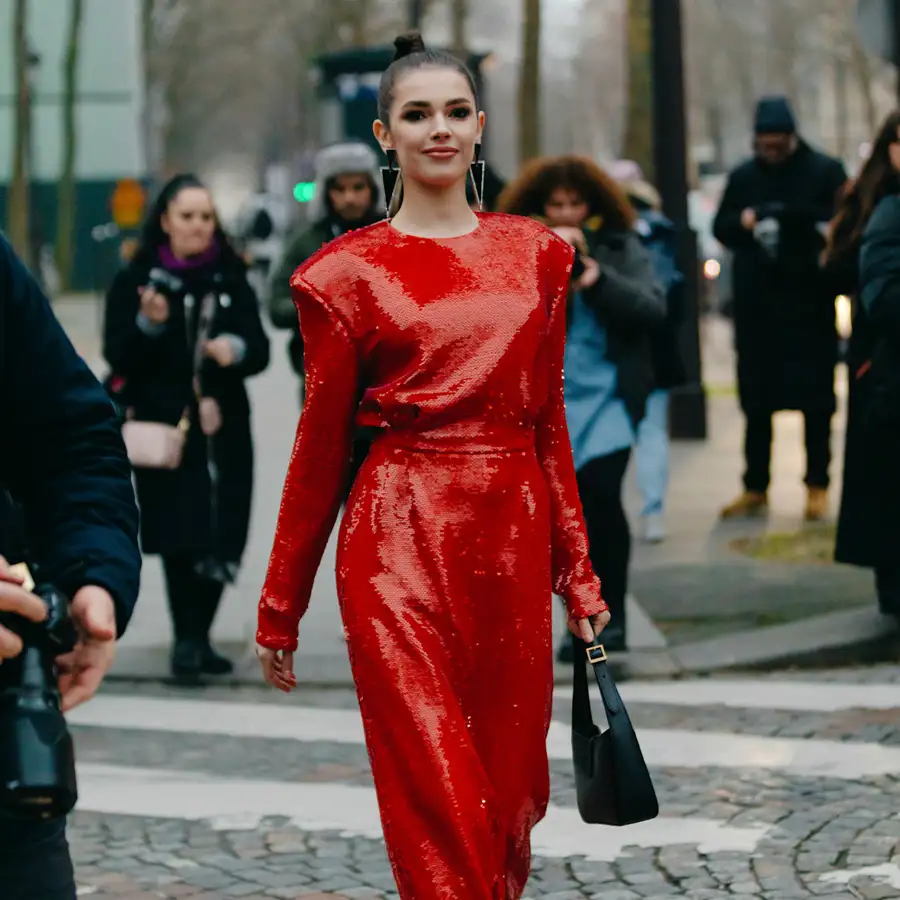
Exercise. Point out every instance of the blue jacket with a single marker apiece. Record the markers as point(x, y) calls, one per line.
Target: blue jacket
point(63, 466)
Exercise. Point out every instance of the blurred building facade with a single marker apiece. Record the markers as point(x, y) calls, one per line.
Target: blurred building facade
point(109, 111)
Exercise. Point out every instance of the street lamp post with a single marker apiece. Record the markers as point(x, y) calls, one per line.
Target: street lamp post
point(670, 151)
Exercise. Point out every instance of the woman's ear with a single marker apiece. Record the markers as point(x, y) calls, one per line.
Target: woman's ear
point(382, 135)
point(481, 121)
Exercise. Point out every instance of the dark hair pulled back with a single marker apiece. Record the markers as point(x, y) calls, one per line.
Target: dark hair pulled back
point(411, 54)
point(153, 236)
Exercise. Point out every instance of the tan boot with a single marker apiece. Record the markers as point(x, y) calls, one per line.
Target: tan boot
point(816, 504)
point(749, 505)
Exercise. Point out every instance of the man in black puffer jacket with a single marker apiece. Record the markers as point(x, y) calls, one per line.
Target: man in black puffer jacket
point(67, 508)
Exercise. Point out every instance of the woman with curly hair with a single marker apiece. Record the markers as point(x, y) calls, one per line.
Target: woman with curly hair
point(616, 303)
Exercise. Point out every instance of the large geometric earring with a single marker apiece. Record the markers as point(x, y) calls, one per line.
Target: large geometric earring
point(390, 176)
point(477, 172)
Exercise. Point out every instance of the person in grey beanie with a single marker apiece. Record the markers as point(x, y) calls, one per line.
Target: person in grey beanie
point(348, 195)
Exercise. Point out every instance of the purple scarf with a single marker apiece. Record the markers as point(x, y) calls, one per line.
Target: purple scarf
point(171, 262)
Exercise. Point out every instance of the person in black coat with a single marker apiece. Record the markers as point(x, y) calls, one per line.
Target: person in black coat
point(879, 498)
point(859, 531)
point(182, 333)
point(773, 216)
point(67, 510)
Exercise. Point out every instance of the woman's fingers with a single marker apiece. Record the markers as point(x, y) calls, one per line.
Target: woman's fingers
point(588, 629)
point(600, 622)
point(278, 668)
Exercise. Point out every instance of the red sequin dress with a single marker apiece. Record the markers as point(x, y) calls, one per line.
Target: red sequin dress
point(462, 518)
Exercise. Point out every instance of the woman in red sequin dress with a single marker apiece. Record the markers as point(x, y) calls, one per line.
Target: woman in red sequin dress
point(443, 330)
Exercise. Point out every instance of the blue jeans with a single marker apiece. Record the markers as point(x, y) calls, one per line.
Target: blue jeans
point(34, 861)
point(652, 453)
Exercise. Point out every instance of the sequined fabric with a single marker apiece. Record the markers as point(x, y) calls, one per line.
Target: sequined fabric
point(462, 518)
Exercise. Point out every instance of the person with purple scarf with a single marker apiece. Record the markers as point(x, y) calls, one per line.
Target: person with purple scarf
point(182, 331)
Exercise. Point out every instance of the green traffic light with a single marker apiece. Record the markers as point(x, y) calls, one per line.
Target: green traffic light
point(304, 191)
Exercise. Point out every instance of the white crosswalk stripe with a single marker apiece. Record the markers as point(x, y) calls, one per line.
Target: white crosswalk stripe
point(236, 804)
point(662, 747)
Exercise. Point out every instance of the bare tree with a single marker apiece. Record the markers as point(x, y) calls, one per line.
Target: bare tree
point(459, 14)
point(530, 83)
point(65, 219)
point(639, 128)
point(18, 211)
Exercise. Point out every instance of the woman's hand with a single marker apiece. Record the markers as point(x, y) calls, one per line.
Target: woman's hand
point(574, 236)
point(590, 276)
point(154, 305)
point(221, 349)
point(588, 629)
point(278, 668)
point(210, 416)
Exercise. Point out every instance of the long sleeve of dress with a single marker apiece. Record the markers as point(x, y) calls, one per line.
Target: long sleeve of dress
point(573, 577)
point(317, 471)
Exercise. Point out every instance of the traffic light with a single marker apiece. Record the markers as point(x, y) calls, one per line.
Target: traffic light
point(304, 191)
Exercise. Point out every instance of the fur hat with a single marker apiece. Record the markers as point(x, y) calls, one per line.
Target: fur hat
point(345, 158)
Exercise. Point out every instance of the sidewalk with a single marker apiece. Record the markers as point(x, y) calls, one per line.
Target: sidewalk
point(700, 605)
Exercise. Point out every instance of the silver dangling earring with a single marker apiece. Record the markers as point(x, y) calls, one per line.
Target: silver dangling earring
point(390, 176)
point(477, 172)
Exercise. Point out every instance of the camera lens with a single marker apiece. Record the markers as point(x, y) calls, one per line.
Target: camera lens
point(37, 757)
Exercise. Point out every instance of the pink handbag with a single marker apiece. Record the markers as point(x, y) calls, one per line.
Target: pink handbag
point(155, 445)
point(158, 445)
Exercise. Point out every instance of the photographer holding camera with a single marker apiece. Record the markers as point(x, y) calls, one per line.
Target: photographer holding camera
point(67, 509)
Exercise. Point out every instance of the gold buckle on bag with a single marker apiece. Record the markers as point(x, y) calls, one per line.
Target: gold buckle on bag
point(599, 659)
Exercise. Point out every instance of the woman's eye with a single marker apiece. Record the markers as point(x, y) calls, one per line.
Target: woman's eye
point(414, 115)
point(461, 113)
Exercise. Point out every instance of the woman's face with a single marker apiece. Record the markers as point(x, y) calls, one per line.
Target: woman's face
point(189, 221)
point(434, 126)
point(894, 152)
point(565, 207)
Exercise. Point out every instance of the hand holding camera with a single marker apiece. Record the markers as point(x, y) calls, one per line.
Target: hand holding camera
point(37, 759)
point(15, 599)
point(56, 654)
point(154, 305)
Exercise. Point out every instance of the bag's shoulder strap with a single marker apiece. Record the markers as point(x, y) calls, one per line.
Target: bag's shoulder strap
point(595, 656)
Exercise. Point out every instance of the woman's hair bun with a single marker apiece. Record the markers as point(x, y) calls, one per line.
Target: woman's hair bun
point(407, 43)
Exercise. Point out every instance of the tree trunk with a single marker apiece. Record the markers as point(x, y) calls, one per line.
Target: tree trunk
point(530, 83)
point(639, 123)
point(459, 12)
point(862, 74)
point(18, 208)
point(65, 221)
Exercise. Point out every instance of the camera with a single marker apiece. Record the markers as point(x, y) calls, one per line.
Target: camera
point(37, 756)
point(164, 282)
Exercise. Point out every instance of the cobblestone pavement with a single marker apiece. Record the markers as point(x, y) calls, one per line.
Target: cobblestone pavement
point(808, 808)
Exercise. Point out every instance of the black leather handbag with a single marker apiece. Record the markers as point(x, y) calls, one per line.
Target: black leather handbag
point(612, 781)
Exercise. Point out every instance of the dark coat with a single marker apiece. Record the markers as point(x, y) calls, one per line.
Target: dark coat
point(854, 543)
point(870, 527)
point(786, 340)
point(630, 302)
point(660, 237)
point(187, 511)
point(62, 459)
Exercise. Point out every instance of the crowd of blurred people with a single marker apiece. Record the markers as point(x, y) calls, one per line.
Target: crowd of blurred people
point(183, 332)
